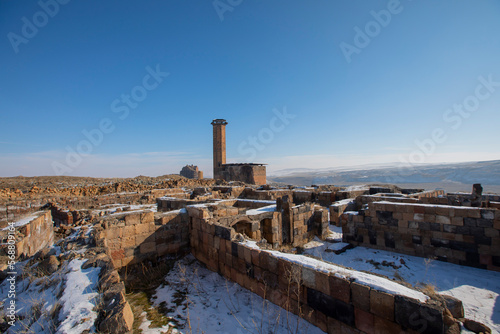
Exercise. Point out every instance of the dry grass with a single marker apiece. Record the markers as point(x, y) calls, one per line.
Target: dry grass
point(141, 283)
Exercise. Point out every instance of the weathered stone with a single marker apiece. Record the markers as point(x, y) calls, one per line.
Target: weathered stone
point(49, 265)
point(412, 314)
point(120, 321)
point(476, 327)
point(382, 304)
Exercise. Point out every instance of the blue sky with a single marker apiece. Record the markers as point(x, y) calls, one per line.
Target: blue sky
point(302, 84)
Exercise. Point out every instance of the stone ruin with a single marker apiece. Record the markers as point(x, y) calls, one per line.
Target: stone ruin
point(251, 173)
point(191, 172)
point(252, 236)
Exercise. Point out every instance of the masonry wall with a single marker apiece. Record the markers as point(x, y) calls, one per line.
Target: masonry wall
point(428, 194)
point(259, 175)
point(143, 236)
point(338, 209)
point(31, 237)
point(334, 304)
point(14, 210)
point(252, 193)
point(461, 235)
point(169, 203)
point(190, 171)
point(248, 173)
point(303, 222)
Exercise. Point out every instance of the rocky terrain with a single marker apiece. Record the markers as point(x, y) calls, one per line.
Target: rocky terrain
point(45, 186)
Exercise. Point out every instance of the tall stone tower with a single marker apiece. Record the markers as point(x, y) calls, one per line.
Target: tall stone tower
point(219, 126)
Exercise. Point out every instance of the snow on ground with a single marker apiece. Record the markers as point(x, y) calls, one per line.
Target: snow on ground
point(269, 208)
point(335, 234)
point(111, 209)
point(478, 289)
point(344, 202)
point(32, 293)
point(374, 281)
point(41, 294)
point(213, 304)
point(25, 220)
point(147, 330)
point(79, 298)
point(357, 187)
point(62, 302)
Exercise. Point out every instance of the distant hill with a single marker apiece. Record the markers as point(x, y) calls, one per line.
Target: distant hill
point(449, 176)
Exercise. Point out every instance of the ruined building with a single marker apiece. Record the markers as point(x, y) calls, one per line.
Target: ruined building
point(252, 173)
point(191, 172)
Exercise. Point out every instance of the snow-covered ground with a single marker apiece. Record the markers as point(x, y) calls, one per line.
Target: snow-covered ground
point(61, 302)
point(70, 294)
point(111, 209)
point(199, 300)
point(478, 289)
point(269, 208)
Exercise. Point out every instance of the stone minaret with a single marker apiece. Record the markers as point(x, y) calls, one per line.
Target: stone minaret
point(219, 147)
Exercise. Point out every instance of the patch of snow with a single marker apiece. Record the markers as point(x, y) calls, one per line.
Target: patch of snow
point(352, 213)
point(357, 187)
point(335, 233)
point(79, 299)
point(255, 201)
point(344, 202)
point(146, 329)
point(25, 220)
point(478, 289)
point(376, 282)
point(213, 305)
point(429, 205)
point(264, 209)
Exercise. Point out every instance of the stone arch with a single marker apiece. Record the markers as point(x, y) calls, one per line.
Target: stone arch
point(245, 225)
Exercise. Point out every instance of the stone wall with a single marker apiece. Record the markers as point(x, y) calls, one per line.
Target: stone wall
point(165, 204)
point(12, 210)
point(462, 235)
point(464, 199)
point(135, 237)
point(248, 173)
point(337, 210)
point(191, 172)
point(115, 314)
point(427, 194)
point(265, 194)
point(31, 235)
point(300, 223)
point(333, 303)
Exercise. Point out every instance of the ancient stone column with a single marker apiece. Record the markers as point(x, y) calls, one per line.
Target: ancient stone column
point(219, 137)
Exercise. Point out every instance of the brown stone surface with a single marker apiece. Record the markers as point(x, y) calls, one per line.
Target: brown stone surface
point(382, 304)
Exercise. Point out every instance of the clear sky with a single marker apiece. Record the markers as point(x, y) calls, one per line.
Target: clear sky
point(127, 88)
